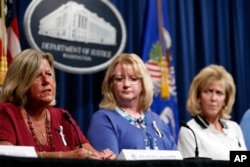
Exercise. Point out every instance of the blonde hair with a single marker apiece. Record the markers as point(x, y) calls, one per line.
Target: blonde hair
point(22, 71)
point(146, 97)
point(203, 79)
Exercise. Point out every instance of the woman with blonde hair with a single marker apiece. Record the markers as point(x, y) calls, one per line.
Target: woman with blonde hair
point(210, 101)
point(28, 116)
point(125, 120)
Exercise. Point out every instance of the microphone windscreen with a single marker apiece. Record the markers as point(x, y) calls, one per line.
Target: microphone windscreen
point(183, 123)
point(66, 117)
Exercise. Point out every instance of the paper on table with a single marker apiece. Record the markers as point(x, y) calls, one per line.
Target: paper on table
point(18, 151)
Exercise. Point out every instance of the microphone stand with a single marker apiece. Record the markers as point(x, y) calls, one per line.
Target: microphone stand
point(67, 117)
point(184, 124)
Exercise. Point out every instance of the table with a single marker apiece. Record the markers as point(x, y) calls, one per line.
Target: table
point(7, 161)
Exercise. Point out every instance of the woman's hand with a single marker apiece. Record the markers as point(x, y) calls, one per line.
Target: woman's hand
point(81, 153)
point(107, 154)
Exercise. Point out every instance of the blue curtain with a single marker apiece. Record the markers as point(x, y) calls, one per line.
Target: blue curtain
point(211, 31)
point(203, 32)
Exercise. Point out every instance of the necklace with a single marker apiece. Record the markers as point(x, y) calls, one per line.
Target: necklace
point(49, 145)
point(138, 122)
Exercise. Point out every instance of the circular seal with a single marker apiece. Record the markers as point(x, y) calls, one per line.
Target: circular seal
point(84, 36)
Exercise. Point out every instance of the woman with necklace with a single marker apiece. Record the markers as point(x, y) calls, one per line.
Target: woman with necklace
point(27, 115)
point(125, 120)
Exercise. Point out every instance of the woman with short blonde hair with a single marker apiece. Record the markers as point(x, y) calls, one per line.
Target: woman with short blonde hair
point(124, 120)
point(210, 101)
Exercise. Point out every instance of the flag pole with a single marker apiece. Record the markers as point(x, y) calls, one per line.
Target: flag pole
point(164, 63)
point(161, 26)
point(3, 58)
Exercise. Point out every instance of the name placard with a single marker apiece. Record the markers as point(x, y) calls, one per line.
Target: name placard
point(134, 154)
point(18, 151)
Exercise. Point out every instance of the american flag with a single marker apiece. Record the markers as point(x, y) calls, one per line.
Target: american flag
point(10, 39)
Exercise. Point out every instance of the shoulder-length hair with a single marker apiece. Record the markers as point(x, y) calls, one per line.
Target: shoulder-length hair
point(146, 96)
point(203, 79)
point(21, 73)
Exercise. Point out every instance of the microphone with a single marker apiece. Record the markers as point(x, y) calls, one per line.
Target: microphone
point(67, 118)
point(184, 124)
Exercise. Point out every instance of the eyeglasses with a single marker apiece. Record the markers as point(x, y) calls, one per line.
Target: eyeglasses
point(131, 79)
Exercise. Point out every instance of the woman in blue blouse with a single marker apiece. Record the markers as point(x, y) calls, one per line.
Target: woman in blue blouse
point(125, 120)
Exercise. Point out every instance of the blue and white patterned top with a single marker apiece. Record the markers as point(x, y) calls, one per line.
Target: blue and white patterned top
point(117, 130)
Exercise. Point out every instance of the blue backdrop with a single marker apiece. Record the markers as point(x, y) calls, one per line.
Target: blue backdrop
point(202, 31)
